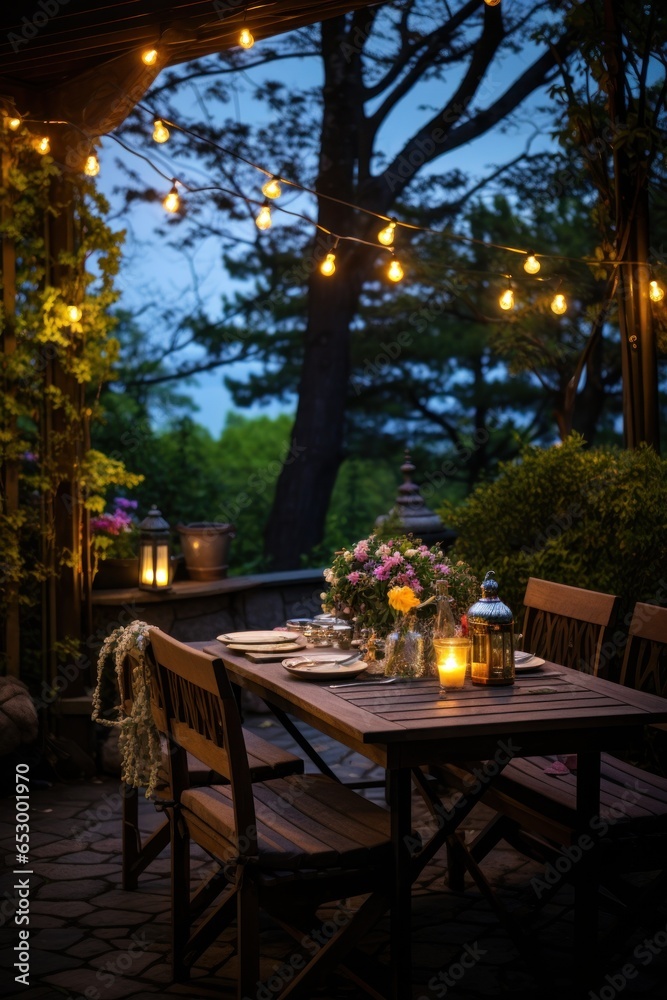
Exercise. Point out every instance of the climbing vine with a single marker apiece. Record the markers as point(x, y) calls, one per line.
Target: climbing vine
point(58, 349)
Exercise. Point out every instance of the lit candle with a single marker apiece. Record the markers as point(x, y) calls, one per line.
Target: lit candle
point(452, 661)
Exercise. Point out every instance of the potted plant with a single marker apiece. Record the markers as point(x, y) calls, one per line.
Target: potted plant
point(115, 541)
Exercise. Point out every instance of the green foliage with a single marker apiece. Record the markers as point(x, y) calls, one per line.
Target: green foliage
point(52, 366)
point(595, 519)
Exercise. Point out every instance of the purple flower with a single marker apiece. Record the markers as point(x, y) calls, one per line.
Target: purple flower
point(354, 577)
point(441, 568)
point(29, 456)
point(124, 504)
point(382, 572)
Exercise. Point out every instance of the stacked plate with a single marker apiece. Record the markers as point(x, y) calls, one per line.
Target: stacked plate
point(262, 642)
point(526, 663)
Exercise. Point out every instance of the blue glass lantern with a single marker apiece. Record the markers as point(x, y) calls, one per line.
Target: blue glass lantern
point(491, 628)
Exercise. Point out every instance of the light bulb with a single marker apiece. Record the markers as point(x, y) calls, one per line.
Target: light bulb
point(263, 220)
point(160, 132)
point(328, 266)
point(272, 188)
point(506, 300)
point(44, 145)
point(559, 304)
point(74, 314)
point(13, 123)
point(386, 235)
point(172, 202)
point(92, 167)
point(246, 40)
point(656, 292)
point(395, 271)
point(149, 57)
point(491, 3)
point(531, 264)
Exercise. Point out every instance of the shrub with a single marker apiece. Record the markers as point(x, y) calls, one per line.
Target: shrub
point(589, 518)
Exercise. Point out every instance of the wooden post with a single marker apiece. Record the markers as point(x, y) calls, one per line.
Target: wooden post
point(10, 469)
point(63, 510)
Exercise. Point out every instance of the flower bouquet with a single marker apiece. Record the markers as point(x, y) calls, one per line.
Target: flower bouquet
point(361, 577)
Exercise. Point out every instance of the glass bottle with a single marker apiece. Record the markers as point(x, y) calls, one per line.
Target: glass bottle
point(451, 650)
point(444, 626)
point(405, 650)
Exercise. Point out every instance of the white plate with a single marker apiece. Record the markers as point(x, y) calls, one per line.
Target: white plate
point(529, 666)
point(266, 647)
point(322, 669)
point(250, 638)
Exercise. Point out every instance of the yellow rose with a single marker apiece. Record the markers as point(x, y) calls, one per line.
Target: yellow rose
point(402, 599)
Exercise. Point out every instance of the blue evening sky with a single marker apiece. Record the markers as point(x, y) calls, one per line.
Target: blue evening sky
point(152, 272)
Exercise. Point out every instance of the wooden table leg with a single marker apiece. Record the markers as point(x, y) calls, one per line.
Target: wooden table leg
point(586, 869)
point(400, 788)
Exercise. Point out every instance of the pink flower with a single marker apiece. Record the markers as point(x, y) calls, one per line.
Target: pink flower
point(354, 577)
point(382, 572)
point(441, 568)
point(361, 552)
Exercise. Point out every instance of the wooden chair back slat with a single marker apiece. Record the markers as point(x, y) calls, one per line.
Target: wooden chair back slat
point(645, 660)
point(568, 625)
point(202, 716)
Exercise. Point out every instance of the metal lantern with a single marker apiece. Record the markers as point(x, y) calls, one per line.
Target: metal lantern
point(154, 564)
point(491, 628)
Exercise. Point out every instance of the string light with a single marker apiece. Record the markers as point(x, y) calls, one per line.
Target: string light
point(272, 188)
point(656, 292)
point(160, 131)
point(531, 264)
point(506, 300)
point(386, 235)
point(13, 123)
point(263, 220)
point(395, 271)
point(491, 3)
point(172, 202)
point(328, 265)
point(559, 304)
point(74, 314)
point(246, 40)
point(43, 145)
point(149, 57)
point(92, 167)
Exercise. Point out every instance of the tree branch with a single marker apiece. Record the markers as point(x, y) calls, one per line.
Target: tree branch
point(437, 137)
point(433, 42)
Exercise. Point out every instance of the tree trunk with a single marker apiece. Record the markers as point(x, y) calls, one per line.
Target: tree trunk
point(303, 492)
point(309, 473)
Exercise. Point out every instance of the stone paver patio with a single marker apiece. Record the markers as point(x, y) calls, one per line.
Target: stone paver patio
point(90, 939)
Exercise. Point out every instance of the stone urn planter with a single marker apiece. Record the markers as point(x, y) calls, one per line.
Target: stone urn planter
point(205, 546)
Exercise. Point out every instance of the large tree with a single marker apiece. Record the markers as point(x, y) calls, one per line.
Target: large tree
point(372, 64)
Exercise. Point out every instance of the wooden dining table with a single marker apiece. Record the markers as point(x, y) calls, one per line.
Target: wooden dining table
point(403, 726)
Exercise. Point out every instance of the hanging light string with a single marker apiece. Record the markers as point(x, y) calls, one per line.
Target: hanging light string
point(272, 189)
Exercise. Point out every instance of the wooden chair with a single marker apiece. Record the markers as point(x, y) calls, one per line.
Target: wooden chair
point(285, 846)
point(567, 625)
point(537, 811)
point(265, 761)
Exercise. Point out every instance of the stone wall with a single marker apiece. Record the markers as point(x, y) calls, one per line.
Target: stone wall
point(191, 611)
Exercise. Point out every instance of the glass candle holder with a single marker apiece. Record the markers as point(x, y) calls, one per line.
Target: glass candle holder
point(452, 658)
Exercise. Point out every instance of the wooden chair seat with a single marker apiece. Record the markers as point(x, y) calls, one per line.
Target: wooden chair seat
point(632, 800)
point(303, 821)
